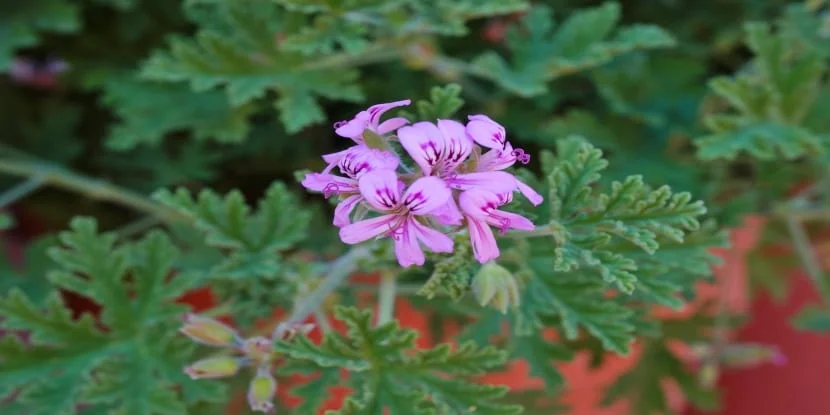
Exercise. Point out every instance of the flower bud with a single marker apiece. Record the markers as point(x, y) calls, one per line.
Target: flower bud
point(209, 331)
point(495, 285)
point(262, 390)
point(287, 331)
point(214, 367)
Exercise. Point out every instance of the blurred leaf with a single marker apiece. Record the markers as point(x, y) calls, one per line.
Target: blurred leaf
point(813, 318)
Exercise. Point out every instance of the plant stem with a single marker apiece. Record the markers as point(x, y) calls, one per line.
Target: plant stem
point(386, 300)
point(21, 190)
point(339, 271)
point(805, 252)
point(322, 321)
point(88, 186)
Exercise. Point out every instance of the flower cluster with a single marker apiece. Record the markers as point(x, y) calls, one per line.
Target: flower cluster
point(256, 352)
point(457, 180)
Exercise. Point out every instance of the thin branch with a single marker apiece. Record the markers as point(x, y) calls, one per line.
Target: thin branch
point(21, 190)
point(339, 271)
point(805, 252)
point(386, 299)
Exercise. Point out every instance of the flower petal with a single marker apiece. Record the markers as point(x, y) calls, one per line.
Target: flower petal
point(494, 181)
point(343, 211)
point(424, 143)
point(483, 241)
point(486, 132)
point(381, 189)
point(509, 220)
point(432, 239)
point(496, 159)
point(407, 249)
point(391, 124)
point(376, 111)
point(529, 193)
point(329, 183)
point(425, 195)
point(457, 145)
point(333, 158)
point(353, 128)
point(448, 213)
point(364, 230)
point(477, 203)
point(362, 159)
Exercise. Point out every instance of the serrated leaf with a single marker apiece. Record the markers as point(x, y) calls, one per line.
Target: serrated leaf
point(392, 375)
point(21, 24)
point(443, 102)
point(581, 42)
point(136, 367)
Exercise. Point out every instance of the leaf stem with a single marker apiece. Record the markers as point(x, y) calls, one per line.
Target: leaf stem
point(805, 252)
point(90, 187)
point(339, 271)
point(386, 298)
point(21, 190)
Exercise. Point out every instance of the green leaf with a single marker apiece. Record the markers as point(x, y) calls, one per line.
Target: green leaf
point(253, 239)
point(813, 318)
point(21, 24)
point(207, 115)
point(236, 50)
point(443, 102)
point(452, 274)
point(768, 103)
point(136, 361)
point(390, 373)
point(31, 277)
point(449, 17)
point(585, 40)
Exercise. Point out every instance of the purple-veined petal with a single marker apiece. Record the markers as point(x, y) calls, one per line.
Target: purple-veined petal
point(381, 189)
point(425, 195)
point(424, 143)
point(496, 159)
point(391, 124)
point(482, 240)
point(486, 132)
point(343, 211)
point(494, 181)
point(361, 159)
point(333, 158)
point(407, 249)
point(364, 230)
point(457, 145)
point(329, 184)
point(448, 213)
point(508, 220)
point(529, 193)
point(432, 239)
point(376, 111)
point(353, 128)
point(477, 203)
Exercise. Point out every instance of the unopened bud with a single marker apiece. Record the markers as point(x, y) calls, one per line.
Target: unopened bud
point(209, 331)
point(495, 285)
point(287, 331)
point(262, 390)
point(214, 367)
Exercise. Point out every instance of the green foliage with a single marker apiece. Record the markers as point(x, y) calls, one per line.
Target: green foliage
point(136, 360)
point(22, 23)
point(443, 102)
point(771, 100)
point(815, 318)
point(387, 373)
point(587, 39)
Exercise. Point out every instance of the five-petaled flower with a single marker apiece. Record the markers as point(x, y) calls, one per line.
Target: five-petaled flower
point(459, 179)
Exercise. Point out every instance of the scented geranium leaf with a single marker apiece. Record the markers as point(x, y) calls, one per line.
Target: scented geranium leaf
point(449, 17)
point(443, 102)
point(768, 102)
point(315, 392)
point(327, 34)
point(136, 368)
point(452, 274)
point(236, 50)
point(584, 222)
point(388, 373)
point(253, 239)
point(22, 22)
point(30, 277)
point(206, 115)
point(540, 52)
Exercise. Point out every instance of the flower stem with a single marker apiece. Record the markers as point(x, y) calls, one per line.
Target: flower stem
point(339, 271)
point(805, 252)
point(93, 188)
point(21, 190)
point(386, 300)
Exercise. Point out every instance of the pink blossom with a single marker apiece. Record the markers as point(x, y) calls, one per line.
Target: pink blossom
point(355, 162)
point(500, 159)
point(480, 208)
point(401, 215)
point(370, 120)
point(486, 132)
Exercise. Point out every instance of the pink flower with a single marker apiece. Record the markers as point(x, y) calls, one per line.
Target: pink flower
point(401, 215)
point(486, 132)
point(500, 159)
point(370, 120)
point(480, 208)
point(355, 162)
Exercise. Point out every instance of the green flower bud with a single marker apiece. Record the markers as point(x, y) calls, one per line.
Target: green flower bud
point(209, 331)
point(214, 367)
point(496, 286)
point(262, 390)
